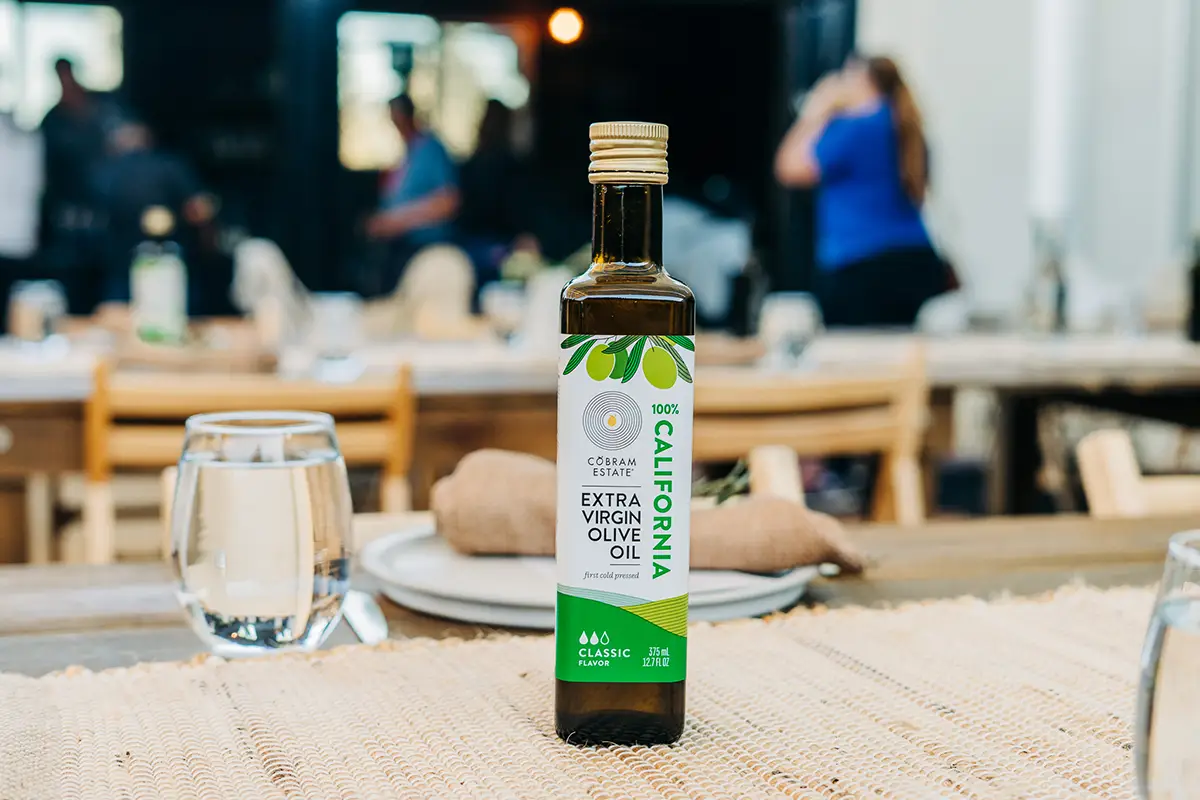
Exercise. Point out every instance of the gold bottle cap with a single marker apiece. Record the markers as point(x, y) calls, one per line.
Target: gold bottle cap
point(157, 221)
point(628, 152)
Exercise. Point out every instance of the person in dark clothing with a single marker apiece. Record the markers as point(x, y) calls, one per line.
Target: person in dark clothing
point(73, 133)
point(495, 214)
point(138, 176)
point(860, 142)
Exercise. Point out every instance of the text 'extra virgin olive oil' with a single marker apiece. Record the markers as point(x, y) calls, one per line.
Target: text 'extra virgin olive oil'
point(624, 460)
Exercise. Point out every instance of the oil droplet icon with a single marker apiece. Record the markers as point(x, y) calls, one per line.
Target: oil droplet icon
point(604, 638)
point(583, 638)
point(612, 420)
point(595, 638)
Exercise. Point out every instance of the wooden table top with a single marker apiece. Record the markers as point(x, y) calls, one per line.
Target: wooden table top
point(102, 616)
point(1002, 360)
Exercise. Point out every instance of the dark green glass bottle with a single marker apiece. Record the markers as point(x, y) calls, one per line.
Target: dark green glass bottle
point(621, 623)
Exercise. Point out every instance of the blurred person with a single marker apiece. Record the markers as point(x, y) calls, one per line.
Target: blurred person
point(73, 134)
point(493, 220)
point(136, 176)
point(419, 198)
point(860, 142)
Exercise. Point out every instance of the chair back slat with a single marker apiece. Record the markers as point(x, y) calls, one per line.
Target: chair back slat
point(823, 415)
point(180, 395)
point(136, 421)
point(732, 391)
point(830, 433)
point(1116, 488)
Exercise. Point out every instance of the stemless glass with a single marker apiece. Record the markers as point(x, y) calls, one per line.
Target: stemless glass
point(1167, 748)
point(35, 309)
point(335, 335)
point(503, 304)
point(261, 530)
point(787, 323)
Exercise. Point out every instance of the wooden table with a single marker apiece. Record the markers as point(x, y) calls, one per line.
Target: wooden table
point(1155, 376)
point(53, 616)
point(37, 441)
point(469, 396)
point(475, 395)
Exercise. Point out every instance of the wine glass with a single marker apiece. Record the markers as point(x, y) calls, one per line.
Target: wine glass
point(1167, 746)
point(336, 334)
point(787, 324)
point(503, 304)
point(261, 530)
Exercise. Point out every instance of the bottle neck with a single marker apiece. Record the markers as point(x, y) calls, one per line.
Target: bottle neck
point(627, 225)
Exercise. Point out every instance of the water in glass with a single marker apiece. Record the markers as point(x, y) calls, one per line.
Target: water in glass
point(503, 303)
point(1168, 719)
point(261, 527)
point(788, 322)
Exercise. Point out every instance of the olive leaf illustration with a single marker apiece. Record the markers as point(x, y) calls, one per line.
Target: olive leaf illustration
point(684, 342)
point(635, 360)
point(574, 339)
point(577, 357)
point(620, 344)
point(680, 366)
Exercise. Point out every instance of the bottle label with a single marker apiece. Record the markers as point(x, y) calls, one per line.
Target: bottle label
point(624, 497)
point(158, 286)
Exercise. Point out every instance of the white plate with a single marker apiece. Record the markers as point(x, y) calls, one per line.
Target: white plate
point(418, 569)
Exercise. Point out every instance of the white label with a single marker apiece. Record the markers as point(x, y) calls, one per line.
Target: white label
point(624, 493)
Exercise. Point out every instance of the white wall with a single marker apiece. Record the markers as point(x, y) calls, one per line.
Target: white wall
point(1129, 208)
point(970, 66)
point(1193, 92)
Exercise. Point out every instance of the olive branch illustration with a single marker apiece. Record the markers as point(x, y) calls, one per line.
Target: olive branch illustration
point(620, 357)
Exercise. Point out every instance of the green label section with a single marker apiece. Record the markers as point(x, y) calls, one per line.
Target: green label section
point(598, 642)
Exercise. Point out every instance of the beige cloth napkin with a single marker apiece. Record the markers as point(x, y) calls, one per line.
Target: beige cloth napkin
point(503, 503)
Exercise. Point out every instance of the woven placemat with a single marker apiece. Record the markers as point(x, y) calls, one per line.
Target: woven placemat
point(1010, 699)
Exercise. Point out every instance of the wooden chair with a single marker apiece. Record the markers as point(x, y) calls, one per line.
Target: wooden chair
point(266, 289)
point(432, 299)
point(824, 414)
point(1115, 487)
point(135, 421)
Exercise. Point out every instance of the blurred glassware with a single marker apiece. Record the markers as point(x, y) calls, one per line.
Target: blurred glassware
point(1129, 317)
point(706, 251)
point(541, 322)
point(265, 288)
point(1167, 732)
point(945, 315)
point(787, 324)
point(521, 265)
point(336, 325)
point(261, 530)
point(503, 304)
point(35, 309)
point(1100, 305)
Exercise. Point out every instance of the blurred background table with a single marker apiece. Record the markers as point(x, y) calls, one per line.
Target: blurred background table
point(485, 394)
point(1155, 377)
point(115, 615)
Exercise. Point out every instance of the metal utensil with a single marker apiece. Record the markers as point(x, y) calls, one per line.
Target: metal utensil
point(365, 617)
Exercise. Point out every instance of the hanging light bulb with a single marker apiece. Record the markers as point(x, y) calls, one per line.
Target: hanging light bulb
point(566, 26)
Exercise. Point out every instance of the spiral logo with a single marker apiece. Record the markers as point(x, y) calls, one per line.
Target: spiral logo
point(612, 421)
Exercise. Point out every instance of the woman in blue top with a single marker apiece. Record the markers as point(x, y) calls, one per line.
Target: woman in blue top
point(859, 140)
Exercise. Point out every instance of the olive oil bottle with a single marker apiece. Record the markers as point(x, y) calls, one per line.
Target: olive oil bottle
point(624, 460)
